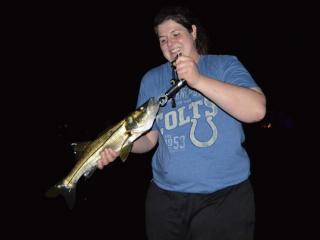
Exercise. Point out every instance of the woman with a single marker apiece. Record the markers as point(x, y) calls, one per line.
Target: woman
point(200, 187)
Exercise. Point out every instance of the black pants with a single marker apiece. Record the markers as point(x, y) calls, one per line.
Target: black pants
point(226, 214)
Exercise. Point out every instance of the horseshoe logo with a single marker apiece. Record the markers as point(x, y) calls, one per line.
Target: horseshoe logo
point(211, 140)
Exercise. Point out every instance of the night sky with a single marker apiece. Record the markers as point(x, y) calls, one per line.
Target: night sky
point(84, 64)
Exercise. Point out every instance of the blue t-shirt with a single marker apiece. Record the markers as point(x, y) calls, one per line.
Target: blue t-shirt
point(200, 146)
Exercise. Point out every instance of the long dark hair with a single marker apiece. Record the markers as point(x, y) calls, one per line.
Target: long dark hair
point(183, 16)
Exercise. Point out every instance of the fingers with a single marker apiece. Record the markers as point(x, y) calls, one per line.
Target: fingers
point(107, 156)
point(187, 69)
point(184, 67)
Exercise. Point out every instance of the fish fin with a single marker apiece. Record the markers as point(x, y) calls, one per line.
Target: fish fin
point(69, 194)
point(124, 152)
point(52, 192)
point(89, 173)
point(79, 147)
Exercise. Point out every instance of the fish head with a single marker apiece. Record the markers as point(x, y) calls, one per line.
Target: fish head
point(143, 117)
point(151, 107)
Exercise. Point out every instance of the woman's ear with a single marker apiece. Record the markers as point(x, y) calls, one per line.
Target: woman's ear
point(194, 32)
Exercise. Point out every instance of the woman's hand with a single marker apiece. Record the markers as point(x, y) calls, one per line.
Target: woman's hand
point(187, 69)
point(107, 156)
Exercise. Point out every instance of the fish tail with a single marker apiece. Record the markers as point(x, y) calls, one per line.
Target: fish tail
point(68, 193)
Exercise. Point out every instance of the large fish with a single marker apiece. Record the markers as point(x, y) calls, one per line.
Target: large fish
point(120, 138)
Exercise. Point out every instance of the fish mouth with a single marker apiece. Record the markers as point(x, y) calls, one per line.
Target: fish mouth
point(154, 104)
point(152, 101)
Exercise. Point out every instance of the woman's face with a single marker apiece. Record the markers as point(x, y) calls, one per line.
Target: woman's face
point(175, 38)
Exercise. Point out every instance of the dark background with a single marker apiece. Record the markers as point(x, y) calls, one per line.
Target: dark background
point(82, 65)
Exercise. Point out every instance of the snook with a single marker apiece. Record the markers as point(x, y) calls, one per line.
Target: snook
point(120, 138)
